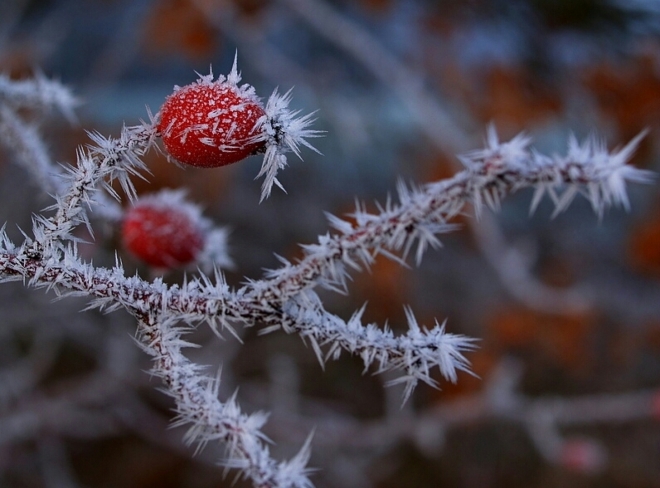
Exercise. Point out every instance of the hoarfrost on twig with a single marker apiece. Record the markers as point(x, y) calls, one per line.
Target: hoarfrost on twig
point(285, 298)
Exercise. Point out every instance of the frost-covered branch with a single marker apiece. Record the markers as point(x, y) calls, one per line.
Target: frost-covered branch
point(197, 403)
point(279, 302)
point(285, 298)
point(490, 175)
point(104, 161)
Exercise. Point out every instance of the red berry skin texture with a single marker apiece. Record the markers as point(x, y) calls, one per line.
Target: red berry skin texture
point(210, 124)
point(161, 237)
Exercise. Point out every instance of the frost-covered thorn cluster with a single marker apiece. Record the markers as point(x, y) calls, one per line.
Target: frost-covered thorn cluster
point(105, 160)
point(588, 168)
point(211, 123)
point(283, 132)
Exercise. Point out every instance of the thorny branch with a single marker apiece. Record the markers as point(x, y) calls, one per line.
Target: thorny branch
point(285, 298)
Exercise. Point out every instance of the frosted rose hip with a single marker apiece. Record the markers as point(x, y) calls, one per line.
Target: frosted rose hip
point(210, 124)
point(161, 237)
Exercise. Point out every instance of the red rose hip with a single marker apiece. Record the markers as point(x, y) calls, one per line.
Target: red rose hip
point(212, 123)
point(160, 235)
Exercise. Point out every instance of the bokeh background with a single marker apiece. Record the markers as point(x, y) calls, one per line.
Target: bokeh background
point(567, 309)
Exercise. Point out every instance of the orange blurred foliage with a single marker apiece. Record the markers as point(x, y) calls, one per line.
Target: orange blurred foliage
point(644, 246)
point(377, 6)
point(562, 338)
point(482, 362)
point(514, 99)
point(179, 26)
point(385, 287)
point(628, 93)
